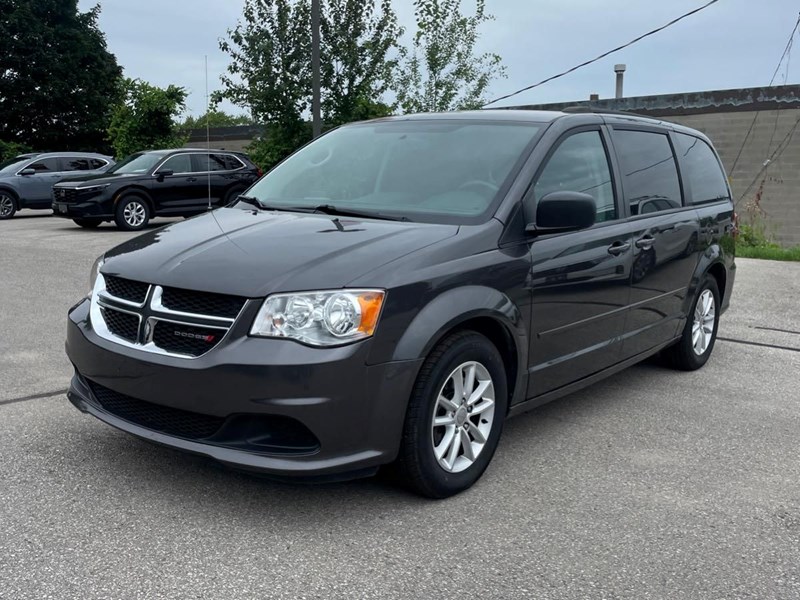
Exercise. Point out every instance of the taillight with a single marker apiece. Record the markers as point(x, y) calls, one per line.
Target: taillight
point(260, 172)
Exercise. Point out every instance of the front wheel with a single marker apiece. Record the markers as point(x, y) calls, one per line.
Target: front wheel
point(7, 206)
point(132, 213)
point(455, 416)
point(694, 348)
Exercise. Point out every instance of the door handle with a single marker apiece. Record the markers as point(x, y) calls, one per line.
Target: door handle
point(646, 242)
point(191, 179)
point(618, 248)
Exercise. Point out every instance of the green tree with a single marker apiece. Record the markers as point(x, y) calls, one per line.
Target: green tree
point(441, 71)
point(357, 39)
point(270, 69)
point(58, 82)
point(146, 118)
point(11, 149)
point(216, 118)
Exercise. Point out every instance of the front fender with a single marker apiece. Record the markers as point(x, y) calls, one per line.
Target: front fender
point(459, 305)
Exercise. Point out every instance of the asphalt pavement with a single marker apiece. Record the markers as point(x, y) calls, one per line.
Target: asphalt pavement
point(651, 484)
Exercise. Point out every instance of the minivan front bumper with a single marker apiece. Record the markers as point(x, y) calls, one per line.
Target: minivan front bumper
point(283, 408)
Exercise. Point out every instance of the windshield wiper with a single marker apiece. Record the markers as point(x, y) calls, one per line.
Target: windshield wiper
point(330, 209)
point(252, 201)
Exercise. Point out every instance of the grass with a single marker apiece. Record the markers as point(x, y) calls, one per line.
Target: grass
point(768, 252)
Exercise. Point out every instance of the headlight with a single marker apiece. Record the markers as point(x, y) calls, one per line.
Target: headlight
point(95, 271)
point(93, 188)
point(327, 318)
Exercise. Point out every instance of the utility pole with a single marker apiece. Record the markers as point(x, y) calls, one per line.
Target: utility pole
point(316, 118)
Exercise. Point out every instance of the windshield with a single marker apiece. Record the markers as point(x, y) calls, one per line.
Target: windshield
point(13, 165)
point(136, 163)
point(439, 171)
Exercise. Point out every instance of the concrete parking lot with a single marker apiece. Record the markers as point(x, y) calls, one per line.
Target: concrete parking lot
point(652, 484)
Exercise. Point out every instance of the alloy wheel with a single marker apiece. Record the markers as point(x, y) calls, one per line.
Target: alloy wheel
point(6, 205)
point(463, 417)
point(134, 214)
point(703, 325)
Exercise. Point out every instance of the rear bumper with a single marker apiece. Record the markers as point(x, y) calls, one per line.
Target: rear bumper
point(353, 412)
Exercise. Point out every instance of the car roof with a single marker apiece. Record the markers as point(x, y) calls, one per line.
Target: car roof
point(62, 154)
point(179, 150)
point(543, 116)
point(532, 116)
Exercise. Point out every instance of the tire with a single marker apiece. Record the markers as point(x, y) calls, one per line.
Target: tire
point(132, 213)
point(691, 353)
point(455, 471)
point(87, 223)
point(8, 205)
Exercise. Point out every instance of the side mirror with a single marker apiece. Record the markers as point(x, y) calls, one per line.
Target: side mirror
point(28, 172)
point(559, 212)
point(164, 173)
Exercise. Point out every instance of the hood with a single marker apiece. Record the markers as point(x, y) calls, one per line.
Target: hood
point(98, 178)
point(254, 253)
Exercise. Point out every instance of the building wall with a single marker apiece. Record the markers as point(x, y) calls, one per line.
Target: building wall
point(774, 192)
point(233, 145)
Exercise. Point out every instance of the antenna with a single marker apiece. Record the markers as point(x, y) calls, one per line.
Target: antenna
point(208, 137)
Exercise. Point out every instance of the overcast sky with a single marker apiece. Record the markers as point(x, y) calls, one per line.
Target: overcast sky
point(732, 44)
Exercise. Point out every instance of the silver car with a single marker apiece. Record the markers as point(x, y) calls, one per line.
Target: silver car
point(27, 180)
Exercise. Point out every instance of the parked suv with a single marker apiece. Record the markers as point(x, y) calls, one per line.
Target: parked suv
point(26, 181)
point(169, 183)
point(394, 290)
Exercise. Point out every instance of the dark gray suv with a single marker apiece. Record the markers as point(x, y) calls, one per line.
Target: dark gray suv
point(27, 180)
point(393, 291)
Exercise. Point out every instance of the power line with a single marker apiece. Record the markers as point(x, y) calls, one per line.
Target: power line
point(786, 51)
point(617, 49)
point(784, 143)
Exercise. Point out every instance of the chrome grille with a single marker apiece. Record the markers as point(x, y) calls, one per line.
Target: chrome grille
point(127, 289)
point(187, 301)
point(135, 314)
point(121, 324)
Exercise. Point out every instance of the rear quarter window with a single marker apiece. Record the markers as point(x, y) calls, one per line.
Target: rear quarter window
point(701, 170)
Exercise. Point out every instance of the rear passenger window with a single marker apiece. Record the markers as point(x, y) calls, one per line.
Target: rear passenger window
point(216, 162)
point(98, 164)
point(649, 172)
point(580, 164)
point(702, 170)
point(76, 164)
point(231, 162)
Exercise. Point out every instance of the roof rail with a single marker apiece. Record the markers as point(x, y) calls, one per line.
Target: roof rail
point(579, 108)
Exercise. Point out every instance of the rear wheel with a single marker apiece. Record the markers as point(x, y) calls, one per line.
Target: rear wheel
point(87, 223)
point(700, 332)
point(8, 205)
point(132, 213)
point(455, 416)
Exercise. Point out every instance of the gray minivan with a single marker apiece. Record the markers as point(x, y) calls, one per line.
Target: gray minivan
point(27, 180)
point(391, 292)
